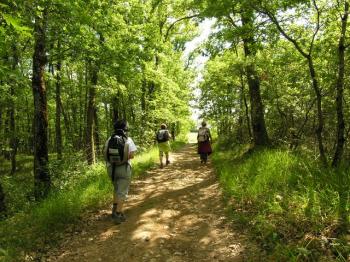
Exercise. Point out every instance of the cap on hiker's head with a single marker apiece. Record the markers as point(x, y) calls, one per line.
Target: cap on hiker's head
point(163, 126)
point(121, 124)
point(204, 123)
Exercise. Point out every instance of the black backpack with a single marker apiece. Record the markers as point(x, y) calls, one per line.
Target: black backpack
point(163, 135)
point(117, 151)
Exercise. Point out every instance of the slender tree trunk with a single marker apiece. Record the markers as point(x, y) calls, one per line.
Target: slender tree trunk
point(107, 118)
point(85, 102)
point(13, 133)
point(58, 108)
point(42, 179)
point(144, 109)
point(1, 137)
point(246, 108)
point(340, 91)
point(90, 147)
point(315, 84)
point(29, 129)
point(240, 136)
point(260, 135)
point(2, 200)
point(116, 108)
point(96, 132)
point(320, 124)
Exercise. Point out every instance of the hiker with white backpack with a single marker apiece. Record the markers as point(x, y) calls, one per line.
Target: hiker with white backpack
point(119, 150)
point(163, 138)
point(204, 142)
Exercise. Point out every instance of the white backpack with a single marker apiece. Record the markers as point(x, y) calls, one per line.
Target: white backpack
point(203, 134)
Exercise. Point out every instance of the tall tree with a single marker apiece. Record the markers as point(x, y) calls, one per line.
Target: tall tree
point(340, 137)
point(257, 109)
point(58, 105)
point(42, 179)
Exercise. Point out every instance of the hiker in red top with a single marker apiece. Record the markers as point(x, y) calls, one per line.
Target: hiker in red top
point(204, 139)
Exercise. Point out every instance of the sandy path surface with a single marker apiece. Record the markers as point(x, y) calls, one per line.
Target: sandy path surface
point(173, 214)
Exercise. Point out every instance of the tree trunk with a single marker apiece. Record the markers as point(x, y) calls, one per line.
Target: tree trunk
point(2, 200)
point(1, 125)
point(340, 91)
point(58, 109)
point(260, 135)
point(90, 147)
point(116, 109)
point(67, 124)
point(96, 132)
point(107, 118)
point(13, 131)
point(315, 85)
point(320, 124)
point(29, 129)
point(13, 136)
point(246, 108)
point(41, 174)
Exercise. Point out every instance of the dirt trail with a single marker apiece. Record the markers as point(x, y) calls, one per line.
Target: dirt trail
point(173, 214)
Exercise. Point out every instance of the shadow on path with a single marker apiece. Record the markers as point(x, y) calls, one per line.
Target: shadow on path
point(173, 214)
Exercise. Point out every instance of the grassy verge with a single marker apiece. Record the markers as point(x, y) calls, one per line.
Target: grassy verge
point(287, 203)
point(75, 190)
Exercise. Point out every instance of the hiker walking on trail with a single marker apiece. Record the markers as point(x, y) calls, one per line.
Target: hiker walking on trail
point(118, 151)
point(162, 138)
point(204, 139)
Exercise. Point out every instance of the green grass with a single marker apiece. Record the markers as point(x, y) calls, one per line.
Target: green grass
point(76, 189)
point(288, 203)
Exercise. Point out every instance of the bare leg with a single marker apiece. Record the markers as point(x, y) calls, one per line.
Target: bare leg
point(161, 159)
point(167, 158)
point(120, 206)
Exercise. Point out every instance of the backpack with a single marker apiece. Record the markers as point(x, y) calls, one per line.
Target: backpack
point(203, 134)
point(117, 150)
point(162, 135)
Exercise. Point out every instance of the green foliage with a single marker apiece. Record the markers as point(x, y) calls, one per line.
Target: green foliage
point(289, 205)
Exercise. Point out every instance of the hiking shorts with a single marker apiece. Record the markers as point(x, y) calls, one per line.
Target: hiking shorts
point(122, 179)
point(164, 147)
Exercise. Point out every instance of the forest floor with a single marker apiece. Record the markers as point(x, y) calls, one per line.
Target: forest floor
point(173, 214)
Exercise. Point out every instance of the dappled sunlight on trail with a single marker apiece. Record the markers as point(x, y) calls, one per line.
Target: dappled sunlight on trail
point(173, 214)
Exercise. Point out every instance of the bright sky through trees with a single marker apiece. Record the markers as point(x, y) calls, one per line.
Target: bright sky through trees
point(205, 28)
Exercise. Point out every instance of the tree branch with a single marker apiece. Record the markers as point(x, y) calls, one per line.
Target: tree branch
point(317, 27)
point(232, 22)
point(177, 21)
point(283, 32)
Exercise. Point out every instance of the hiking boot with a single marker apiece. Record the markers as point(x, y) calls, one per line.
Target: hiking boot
point(167, 162)
point(114, 210)
point(119, 218)
point(122, 217)
point(161, 165)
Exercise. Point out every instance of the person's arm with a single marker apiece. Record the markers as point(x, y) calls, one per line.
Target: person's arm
point(105, 150)
point(210, 138)
point(132, 154)
point(132, 148)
